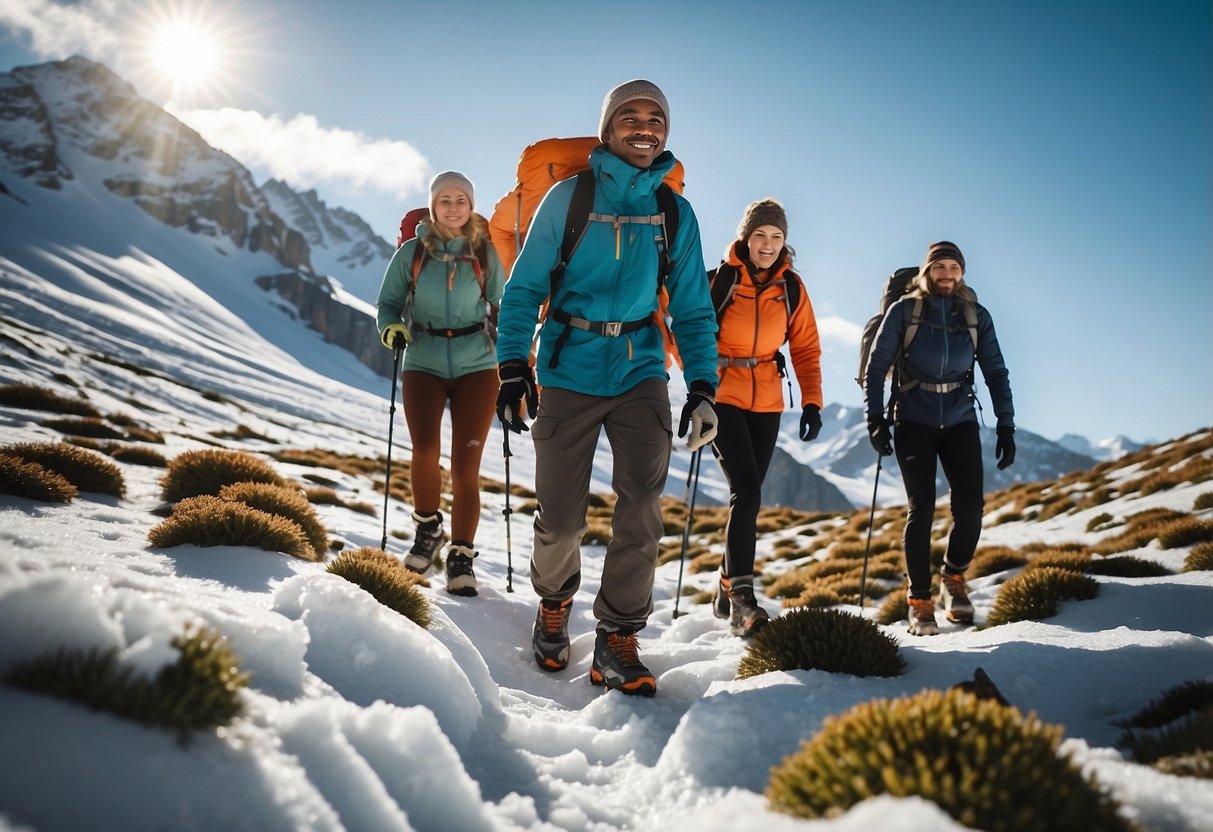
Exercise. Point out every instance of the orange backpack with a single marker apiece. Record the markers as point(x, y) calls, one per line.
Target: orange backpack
point(542, 165)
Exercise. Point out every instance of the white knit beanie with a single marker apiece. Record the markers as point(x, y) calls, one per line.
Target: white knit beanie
point(451, 179)
point(630, 91)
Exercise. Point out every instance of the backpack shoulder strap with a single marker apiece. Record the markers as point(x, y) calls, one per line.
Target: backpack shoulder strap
point(667, 206)
point(418, 259)
point(791, 292)
point(722, 282)
point(970, 314)
point(575, 223)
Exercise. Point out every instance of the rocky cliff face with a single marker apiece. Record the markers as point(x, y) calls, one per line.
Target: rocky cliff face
point(792, 484)
point(75, 113)
point(341, 324)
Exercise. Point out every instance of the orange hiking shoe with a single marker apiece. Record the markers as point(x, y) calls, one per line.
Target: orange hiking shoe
point(550, 638)
point(954, 598)
point(617, 665)
point(922, 617)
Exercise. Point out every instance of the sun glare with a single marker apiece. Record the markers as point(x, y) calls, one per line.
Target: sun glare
point(185, 52)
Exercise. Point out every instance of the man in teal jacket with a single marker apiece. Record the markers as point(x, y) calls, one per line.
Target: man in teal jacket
point(602, 364)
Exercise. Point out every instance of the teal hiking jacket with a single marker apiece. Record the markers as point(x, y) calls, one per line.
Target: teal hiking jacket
point(612, 276)
point(447, 296)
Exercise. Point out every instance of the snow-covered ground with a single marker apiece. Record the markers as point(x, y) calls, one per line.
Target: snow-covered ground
point(355, 718)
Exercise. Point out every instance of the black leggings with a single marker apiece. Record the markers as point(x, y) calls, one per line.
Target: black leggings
point(744, 445)
point(958, 449)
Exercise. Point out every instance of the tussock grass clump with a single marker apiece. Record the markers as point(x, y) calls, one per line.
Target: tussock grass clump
point(211, 521)
point(1187, 735)
point(33, 397)
point(1176, 702)
point(995, 559)
point(1060, 559)
point(1140, 529)
point(942, 747)
point(1127, 566)
point(137, 455)
point(1033, 595)
point(1100, 522)
point(829, 640)
point(283, 501)
point(323, 495)
point(89, 426)
point(1197, 764)
point(195, 473)
point(201, 690)
point(375, 555)
point(1203, 501)
point(1185, 532)
point(815, 595)
point(30, 480)
point(85, 469)
point(896, 607)
point(390, 585)
point(1200, 559)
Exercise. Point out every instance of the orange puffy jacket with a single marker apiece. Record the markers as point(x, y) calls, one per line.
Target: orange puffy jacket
point(755, 325)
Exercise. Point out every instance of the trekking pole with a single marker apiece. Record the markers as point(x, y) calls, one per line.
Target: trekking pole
point(863, 580)
point(507, 511)
point(689, 499)
point(391, 424)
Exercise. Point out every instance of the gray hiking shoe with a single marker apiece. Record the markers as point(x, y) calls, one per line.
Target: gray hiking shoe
point(460, 579)
point(954, 598)
point(617, 665)
point(922, 617)
point(427, 541)
point(550, 638)
point(746, 617)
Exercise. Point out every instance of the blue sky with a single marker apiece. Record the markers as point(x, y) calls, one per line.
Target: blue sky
point(1065, 146)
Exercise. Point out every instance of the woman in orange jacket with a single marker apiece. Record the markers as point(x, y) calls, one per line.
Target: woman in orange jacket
point(760, 303)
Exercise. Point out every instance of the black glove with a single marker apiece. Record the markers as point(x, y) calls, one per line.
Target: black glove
point(698, 415)
point(1004, 450)
point(517, 381)
point(810, 422)
point(878, 433)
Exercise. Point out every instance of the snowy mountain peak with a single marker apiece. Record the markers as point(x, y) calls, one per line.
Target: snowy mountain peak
point(75, 119)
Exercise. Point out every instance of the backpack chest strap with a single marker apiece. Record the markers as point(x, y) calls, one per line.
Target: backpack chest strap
point(744, 361)
point(608, 329)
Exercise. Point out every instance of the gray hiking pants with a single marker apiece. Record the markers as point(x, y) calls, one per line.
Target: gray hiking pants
point(565, 432)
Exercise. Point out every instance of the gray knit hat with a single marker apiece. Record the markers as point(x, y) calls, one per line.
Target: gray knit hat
point(630, 91)
point(763, 212)
point(451, 179)
point(944, 250)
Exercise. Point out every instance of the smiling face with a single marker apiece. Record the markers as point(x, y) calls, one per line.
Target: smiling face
point(637, 132)
point(945, 276)
point(451, 209)
point(765, 244)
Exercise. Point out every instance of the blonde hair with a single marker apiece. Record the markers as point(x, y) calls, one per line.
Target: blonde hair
point(476, 230)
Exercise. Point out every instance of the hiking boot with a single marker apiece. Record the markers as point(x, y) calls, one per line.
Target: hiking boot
point(617, 665)
point(720, 598)
point(428, 539)
point(746, 617)
point(550, 638)
point(922, 617)
point(954, 598)
point(460, 579)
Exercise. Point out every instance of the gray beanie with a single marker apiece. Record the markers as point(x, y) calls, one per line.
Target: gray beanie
point(630, 91)
point(451, 179)
point(763, 212)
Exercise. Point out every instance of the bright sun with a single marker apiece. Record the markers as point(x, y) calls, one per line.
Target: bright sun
point(186, 53)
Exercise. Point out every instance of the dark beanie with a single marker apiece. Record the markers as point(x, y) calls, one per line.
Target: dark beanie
point(763, 212)
point(944, 250)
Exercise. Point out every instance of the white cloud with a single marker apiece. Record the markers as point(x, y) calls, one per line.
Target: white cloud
point(839, 331)
point(303, 153)
point(57, 30)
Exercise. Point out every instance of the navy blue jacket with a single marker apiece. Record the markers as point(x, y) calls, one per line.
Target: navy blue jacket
point(941, 352)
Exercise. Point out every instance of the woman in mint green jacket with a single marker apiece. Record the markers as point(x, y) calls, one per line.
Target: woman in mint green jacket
point(439, 297)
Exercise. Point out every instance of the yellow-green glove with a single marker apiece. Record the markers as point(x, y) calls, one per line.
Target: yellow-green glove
point(392, 332)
